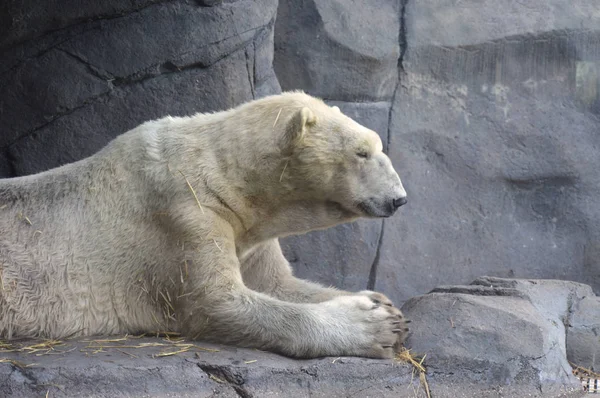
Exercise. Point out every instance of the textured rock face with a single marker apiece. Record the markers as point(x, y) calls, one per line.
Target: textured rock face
point(503, 332)
point(72, 82)
point(583, 333)
point(493, 128)
point(80, 369)
point(344, 50)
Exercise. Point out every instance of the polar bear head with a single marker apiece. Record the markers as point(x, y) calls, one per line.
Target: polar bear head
point(335, 159)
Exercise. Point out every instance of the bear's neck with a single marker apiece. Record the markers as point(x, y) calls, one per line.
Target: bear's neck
point(249, 175)
point(295, 219)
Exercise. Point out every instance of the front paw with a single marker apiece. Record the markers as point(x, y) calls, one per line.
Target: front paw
point(377, 297)
point(367, 327)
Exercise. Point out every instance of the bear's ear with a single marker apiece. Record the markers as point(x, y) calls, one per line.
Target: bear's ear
point(296, 127)
point(307, 117)
point(335, 108)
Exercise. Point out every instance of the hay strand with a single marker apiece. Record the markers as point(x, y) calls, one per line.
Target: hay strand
point(283, 171)
point(193, 191)
point(277, 118)
point(215, 378)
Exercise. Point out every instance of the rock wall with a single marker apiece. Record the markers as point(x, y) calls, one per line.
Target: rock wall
point(72, 78)
point(489, 110)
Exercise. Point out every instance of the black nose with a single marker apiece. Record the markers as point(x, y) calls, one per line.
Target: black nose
point(399, 202)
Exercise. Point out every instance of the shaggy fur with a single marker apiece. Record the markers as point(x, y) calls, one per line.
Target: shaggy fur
point(174, 226)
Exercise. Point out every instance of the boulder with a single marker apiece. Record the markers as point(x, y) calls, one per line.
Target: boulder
point(499, 333)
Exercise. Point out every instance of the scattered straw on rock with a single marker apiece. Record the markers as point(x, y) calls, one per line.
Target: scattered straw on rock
point(18, 364)
point(405, 356)
point(170, 344)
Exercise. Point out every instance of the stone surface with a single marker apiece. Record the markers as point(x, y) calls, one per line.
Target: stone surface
point(77, 368)
point(498, 332)
point(494, 131)
point(5, 166)
point(102, 70)
point(452, 24)
point(27, 19)
point(85, 129)
point(342, 256)
point(343, 50)
point(493, 128)
point(583, 333)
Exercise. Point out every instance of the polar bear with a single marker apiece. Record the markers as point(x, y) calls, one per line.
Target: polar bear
point(174, 226)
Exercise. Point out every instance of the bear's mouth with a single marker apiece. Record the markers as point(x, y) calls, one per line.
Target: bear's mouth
point(371, 209)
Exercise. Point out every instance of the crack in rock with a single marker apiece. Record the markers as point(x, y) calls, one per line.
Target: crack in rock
point(373, 272)
point(481, 291)
point(232, 377)
point(403, 35)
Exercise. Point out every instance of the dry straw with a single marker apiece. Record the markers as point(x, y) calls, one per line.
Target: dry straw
point(405, 356)
point(171, 344)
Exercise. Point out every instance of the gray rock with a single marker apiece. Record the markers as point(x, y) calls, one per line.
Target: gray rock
point(27, 19)
point(494, 129)
point(583, 333)
point(36, 93)
point(209, 3)
point(340, 50)
point(75, 370)
point(84, 130)
point(5, 166)
point(497, 332)
point(64, 95)
point(155, 35)
point(340, 257)
point(446, 23)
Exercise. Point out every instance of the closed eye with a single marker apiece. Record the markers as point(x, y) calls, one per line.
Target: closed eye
point(362, 154)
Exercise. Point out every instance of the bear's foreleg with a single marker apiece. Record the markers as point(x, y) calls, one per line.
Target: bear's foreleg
point(266, 270)
point(219, 307)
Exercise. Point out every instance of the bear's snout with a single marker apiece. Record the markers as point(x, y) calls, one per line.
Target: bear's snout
point(399, 202)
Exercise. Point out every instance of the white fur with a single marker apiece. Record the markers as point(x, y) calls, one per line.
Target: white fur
point(174, 226)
